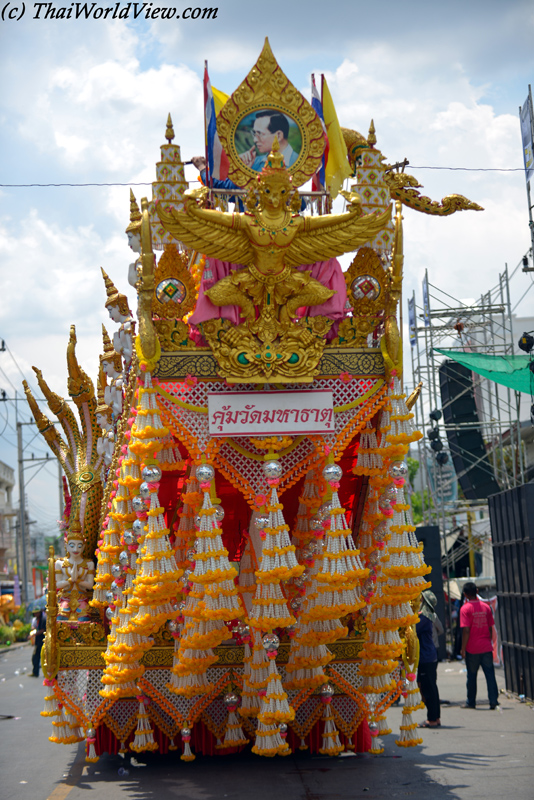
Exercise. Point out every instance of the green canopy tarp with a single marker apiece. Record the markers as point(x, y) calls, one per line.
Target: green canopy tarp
point(511, 371)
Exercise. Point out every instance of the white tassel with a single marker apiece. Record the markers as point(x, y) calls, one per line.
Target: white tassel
point(234, 736)
point(331, 744)
point(144, 738)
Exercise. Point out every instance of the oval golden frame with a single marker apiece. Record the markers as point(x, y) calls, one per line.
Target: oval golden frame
point(267, 87)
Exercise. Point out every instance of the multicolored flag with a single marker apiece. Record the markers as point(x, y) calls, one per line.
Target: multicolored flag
point(337, 165)
point(216, 158)
point(318, 180)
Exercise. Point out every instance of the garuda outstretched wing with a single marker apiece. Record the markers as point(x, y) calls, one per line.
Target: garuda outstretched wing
point(215, 233)
point(321, 238)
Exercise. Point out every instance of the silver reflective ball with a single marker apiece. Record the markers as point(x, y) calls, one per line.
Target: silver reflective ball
point(138, 504)
point(323, 512)
point(327, 690)
point(272, 470)
point(109, 613)
point(151, 473)
point(205, 473)
point(129, 537)
point(188, 574)
point(315, 524)
point(373, 558)
point(398, 469)
point(116, 570)
point(219, 513)
point(332, 473)
point(124, 558)
point(380, 531)
point(186, 731)
point(138, 527)
point(91, 733)
point(296, 603)
point(231, 699)
point(114, 587)
point(373, 728)
point(181, 606)
point(261, 522)
point(172, 626)
point(282, 727)
point(270, 642)
point(198, 519)
point(144, 490)
point(242, 629)
point(109, 596)
point(191, 553)
point(390, 492)
point(384, 504)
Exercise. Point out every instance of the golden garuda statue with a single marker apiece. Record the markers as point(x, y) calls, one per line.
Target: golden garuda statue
point(270, 240)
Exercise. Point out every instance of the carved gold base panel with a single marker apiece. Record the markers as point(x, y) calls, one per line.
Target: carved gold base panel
point(359, 362)
point(82, 656)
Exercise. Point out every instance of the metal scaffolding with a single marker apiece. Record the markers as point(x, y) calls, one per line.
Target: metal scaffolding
point(483, 326)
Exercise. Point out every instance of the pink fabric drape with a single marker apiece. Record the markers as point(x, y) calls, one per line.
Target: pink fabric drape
point(328, 273)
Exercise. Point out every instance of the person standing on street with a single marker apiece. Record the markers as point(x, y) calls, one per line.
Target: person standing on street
point(37, 634)
point(476, 622)
point(428, 660)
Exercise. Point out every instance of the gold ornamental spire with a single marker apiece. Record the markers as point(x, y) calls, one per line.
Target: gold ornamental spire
point(135, 214)
point(110, 354)
point(114, 297)
point(111, 291)
point(372, 134)
point(169, 133)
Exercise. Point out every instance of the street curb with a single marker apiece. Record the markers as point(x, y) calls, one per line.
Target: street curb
point(11, 647)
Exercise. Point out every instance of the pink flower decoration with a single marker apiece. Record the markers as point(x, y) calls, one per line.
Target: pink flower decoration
point(190, 381)
point(260, 500)
point(346, 377)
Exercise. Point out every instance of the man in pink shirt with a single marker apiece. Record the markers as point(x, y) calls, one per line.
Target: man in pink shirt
point(476, 622)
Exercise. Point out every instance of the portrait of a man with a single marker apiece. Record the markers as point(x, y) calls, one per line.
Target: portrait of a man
point(258, 132)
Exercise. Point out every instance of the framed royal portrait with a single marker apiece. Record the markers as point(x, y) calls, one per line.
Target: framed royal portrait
point(267, 105)
point(255, 134)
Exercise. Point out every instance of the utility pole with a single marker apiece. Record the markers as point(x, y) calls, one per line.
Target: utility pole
point(22, 517)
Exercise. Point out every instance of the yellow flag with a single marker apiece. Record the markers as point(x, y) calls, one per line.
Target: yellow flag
point(219, 99)
point(337, 166)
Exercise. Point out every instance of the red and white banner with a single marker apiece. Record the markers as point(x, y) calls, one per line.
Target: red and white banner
point(267, 413)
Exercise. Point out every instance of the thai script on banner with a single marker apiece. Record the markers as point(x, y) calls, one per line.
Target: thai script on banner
point(265, 413)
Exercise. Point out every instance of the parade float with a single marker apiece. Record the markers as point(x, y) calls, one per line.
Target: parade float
point(241, 565)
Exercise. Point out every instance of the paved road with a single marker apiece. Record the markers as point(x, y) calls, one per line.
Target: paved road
point(476, 754)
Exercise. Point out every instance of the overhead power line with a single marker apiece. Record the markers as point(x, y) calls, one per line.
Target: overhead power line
point(149, 183)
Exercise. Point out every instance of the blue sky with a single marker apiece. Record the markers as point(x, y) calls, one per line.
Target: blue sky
point(86, 102)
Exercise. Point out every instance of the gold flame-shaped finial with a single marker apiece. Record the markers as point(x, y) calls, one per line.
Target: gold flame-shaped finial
point(169, 133)
point(114, 297)
point(274, 166)
point(135, 214)
point(111, 291)
point(372, 134)
point(110, 354)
